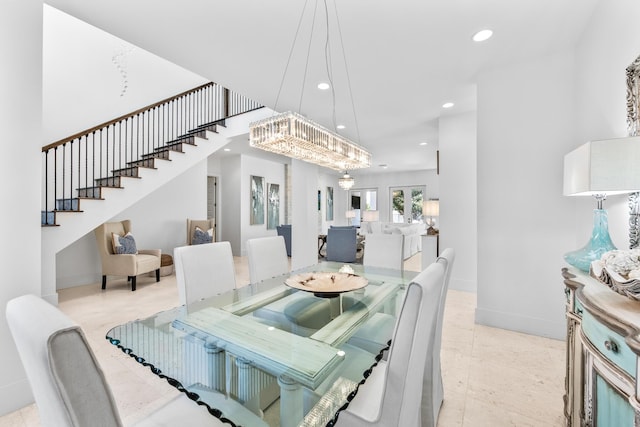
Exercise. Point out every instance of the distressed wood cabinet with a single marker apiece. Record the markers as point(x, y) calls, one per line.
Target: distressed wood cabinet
point(603, 345)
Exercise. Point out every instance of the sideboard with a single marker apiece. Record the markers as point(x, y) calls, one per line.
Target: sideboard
point(603, 349)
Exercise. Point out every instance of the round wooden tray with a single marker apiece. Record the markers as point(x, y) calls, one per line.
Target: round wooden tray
point(326, 284)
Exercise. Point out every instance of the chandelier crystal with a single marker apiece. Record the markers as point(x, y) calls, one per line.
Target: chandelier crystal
point(293, 135)
point(346, 182)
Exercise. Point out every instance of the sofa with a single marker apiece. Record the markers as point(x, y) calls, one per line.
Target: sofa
point(412, 234)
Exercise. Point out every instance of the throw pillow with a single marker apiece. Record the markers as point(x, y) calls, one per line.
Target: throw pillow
point(124, 244)
point(200, 236)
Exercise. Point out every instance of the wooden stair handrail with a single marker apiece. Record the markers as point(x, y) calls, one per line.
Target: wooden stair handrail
point(126, 116)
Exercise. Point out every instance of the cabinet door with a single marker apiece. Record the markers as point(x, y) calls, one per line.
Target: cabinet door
point(611, 407)
point(607, 390)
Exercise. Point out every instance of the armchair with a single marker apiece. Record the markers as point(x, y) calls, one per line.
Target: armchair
point(204, 225)
point(341, 244)
point(130, 265)
point(285, 231)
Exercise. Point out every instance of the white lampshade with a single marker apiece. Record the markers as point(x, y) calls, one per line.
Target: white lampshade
point(431, 208)
point(370, 216)
point(350, 214)
point(607, 167)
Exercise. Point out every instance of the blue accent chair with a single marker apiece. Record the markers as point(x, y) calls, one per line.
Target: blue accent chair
point(285, 231)
point(341, 244)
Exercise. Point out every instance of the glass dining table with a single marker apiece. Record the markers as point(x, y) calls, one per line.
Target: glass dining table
point(289, 356)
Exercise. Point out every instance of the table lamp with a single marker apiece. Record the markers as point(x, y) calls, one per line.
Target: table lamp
point(431, 208)
point(350, 214)
point(369, 217)
point(599, 169)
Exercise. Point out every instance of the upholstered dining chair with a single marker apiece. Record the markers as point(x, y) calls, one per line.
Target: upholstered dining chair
point(342, 244)
point(68, 384)
point(432, 401)
point(384, 250)
point(131, 263)
point(284, 230)
point(391, 395)
point(203, 271)
point(267, 257)
point(205, 234)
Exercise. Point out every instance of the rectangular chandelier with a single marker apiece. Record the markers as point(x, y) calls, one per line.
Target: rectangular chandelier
point(293, 135)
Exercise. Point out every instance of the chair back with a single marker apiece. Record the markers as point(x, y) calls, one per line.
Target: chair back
point(267, 258)
point(392, 394)
point(203, 224)
point(203, 271)
point(104, 236)
point(432, 401)
point(285, 231)
point(384, 250)
point(68, 384)
point(341, 244)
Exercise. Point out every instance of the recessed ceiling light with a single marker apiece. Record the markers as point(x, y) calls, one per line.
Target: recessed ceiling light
point(323, 86)
point(424, 143)
point(482, 35)
point(340, 126)
point(227, 149)
point(447, 105)
point(384, 166)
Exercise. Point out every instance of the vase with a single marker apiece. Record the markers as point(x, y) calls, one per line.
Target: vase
point(599, 243)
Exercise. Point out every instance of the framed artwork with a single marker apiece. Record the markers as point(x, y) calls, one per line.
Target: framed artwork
point(329, 203)
point(273, 206)
point(256, 215)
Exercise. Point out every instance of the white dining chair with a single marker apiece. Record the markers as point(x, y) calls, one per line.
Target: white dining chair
point(69, 387)
point(267, 258)
point(391, 396)
point(203, 271)
point(432, 401)
point(384, 250)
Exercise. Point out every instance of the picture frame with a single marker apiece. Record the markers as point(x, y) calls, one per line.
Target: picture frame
point(256, 213)
point(329, 215)
point(273, 206)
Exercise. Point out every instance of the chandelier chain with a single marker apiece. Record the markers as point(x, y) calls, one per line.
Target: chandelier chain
point(286, 67)
point(346, 68)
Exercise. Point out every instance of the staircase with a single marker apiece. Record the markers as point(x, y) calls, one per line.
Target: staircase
point(92, 176)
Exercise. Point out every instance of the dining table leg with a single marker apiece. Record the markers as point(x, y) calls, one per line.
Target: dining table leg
point(249, 386)
point(215, 366)
point(290, 402)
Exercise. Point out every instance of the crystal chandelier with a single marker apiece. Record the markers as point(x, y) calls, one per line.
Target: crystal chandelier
point(293, 135)
point(346, 182)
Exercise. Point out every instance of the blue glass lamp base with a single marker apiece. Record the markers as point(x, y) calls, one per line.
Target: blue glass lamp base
point(599, 243)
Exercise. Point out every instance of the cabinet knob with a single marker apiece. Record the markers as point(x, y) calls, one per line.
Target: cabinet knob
point(611, 346)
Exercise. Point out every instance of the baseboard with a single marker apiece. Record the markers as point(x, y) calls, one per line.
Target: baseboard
point(518, 323)
point(15, 396)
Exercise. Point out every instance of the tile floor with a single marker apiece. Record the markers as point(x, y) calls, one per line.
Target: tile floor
point(492, 377)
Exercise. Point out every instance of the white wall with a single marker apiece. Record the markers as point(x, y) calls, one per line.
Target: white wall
point(21, 138)
point(526, 123)
point(86, 69)
point(304, 197)
point(458, 201)
point(273, 173)
point(601, 100)
point(158, 221)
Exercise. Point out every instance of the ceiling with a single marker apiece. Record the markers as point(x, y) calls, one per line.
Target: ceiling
point(404, 58)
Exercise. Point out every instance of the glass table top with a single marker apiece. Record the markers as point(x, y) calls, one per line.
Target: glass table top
point(269, 350)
